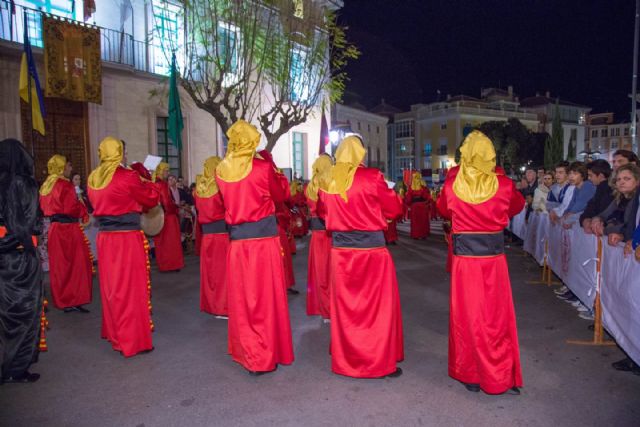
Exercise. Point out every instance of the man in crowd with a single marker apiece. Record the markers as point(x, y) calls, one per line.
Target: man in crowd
point(561, 192)
point(70, 269)
point(583, 191)
point(168, 244)
point(119, 196)
point(483, 340)
point(530, 182)
point(599, 172)
point(541, 194)
point(259, 327)
point(366, 319)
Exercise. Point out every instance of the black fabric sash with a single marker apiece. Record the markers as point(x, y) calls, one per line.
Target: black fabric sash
point(266, 227)
point(65, 219)
point(126, 222)
point(358, 239)
point(215, 227)
point(478, 244)
point(418, 199)
point(317, 223)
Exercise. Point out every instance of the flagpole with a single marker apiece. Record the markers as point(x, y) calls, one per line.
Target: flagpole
point(29, 97)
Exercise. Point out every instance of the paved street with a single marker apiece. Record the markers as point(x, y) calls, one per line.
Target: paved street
point(189, 380)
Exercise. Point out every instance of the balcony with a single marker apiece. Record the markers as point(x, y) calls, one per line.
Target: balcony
point(115, 46)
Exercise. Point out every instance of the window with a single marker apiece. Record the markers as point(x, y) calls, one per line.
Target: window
point(34, 18)
point(443, 125)
point(298, 154)
point(626, 131)
point(427, 149)
point(227, 48)
point(165, 33)
point(443, 146)
point(604, 133)
point(368, 127)
point(594, 133)
point(298, 10)
point(615, 132)
point(359, 127)
point(166, 150)
point(614, 144)
point(404, 129)
point(299, 78)
point(377, 129)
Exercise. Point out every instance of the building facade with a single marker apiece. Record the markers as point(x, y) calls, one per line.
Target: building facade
point(372, 127)
point(134, 91)
point(605, 136)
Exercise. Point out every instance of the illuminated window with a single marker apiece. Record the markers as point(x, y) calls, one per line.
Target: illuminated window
point(166, 149)
point(299, 79)
point(298, 154)
point(34, 18)
point(298, 8)
point(228, 51)
point(166, 34)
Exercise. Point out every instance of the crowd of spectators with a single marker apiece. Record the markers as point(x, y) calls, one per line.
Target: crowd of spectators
point(599, 197)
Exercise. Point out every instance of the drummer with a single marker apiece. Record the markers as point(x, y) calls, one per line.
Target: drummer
point(119, 195)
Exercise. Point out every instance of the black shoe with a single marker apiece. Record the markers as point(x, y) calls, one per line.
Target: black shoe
point(625, 365)
point(292, 291)
point(472, 387)
point(147, 351)
point(81, 309)
point(514, 391)
point(25, 378)
point(260, 373)
point(395, 374)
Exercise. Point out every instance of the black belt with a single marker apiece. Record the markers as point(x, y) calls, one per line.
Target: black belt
point(418, 200)
point(478, 244)
point(126, 222)
point(266, 227)
point(358, 239)
point(215, 227)
point(317, 224)
point(64, 219)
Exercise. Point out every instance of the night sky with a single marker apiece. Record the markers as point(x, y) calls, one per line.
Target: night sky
point(578, 50)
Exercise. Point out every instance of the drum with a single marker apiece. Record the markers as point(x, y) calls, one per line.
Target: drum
point(152, 221)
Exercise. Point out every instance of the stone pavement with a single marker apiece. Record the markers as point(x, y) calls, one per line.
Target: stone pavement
point(189, 380)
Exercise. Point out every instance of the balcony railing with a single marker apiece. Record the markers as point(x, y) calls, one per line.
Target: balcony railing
point(115, 46)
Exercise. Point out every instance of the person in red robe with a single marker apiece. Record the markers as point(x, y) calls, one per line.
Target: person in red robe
point(418, 199)
point(259, 327)
point(391, 233)
point(119, 195)
point(168, 245)
point(283, 217)
point(299, 222)
point(318, 264)
point(70, 266)
point(215, 241)
point(483, 340)
point(366, 320)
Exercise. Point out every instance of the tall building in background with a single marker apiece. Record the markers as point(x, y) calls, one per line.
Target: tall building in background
point(605, 135)
point(134, 89)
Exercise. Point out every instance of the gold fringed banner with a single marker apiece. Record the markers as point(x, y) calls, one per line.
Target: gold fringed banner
point(73, 69)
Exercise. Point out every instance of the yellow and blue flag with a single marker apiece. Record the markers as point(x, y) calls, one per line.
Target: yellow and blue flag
point(28, 71)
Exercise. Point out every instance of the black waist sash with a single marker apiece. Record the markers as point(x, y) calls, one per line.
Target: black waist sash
point(317, 223)
point(418, 199)
point(266, 227)
point(358, 239)
point(478, 244)
point(64, 219)
point(126, 222)
point(215, 227)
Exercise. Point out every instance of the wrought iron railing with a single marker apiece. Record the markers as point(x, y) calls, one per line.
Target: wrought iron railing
point(115, 46)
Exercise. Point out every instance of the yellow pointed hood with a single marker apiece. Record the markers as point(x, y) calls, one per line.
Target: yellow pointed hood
point(160, 169)
point(55, 167)
point(349, 155)
point(416, 181)
point(238, 162)
point(321, 176)
point(111, 153)
point(476, 181)
point(206, 182)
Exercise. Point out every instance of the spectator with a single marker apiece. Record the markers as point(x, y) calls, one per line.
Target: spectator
point(541, 173)
point(599, 172)
point(623, 157)
point(542, 193)
point(529, 183)
point(583, 192)
point(619, 220)
point(561, 192)
point(81, 191)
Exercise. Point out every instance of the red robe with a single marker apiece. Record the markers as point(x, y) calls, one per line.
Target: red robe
point(168, 243)
point(283, 215)
point(213, 256)
point(259, 328)
point(318, 269)
point(125, 282)
point(300, 225)
point(483, 340)
point(366, 320)
point(419, 215)
point(70, 266)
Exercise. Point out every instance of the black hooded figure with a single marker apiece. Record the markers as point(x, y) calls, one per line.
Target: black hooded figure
point(21, 291)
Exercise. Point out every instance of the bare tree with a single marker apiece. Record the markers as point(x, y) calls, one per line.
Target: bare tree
point(266, 61)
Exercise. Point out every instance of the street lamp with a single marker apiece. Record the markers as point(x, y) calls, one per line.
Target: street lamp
point(590, 155)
